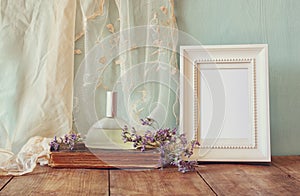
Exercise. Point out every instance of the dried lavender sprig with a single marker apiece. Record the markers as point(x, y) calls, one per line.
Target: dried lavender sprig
point(68, 140)
point(149, 122)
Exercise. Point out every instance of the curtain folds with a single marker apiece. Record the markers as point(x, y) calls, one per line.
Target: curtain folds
point(36, 77)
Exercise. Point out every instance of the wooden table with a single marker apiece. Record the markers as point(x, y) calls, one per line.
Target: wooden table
point(282, 177)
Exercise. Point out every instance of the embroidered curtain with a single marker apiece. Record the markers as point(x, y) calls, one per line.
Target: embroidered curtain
point(128, 47)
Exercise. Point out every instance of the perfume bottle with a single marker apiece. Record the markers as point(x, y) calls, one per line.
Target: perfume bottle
point(106, 133)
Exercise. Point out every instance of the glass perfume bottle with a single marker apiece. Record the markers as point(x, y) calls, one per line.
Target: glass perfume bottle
point(106, 133)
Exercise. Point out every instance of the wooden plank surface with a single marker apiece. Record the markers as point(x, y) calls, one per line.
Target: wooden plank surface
point(157, 182)
point(49, 181)
point(288, 164)
point(242, 179)
point(281, 178)
point(4, 180)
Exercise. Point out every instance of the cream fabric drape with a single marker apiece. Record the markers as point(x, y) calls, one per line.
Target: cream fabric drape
point(36, 73)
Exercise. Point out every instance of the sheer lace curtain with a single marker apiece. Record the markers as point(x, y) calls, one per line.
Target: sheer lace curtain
point(123, 45)
point(129, 47)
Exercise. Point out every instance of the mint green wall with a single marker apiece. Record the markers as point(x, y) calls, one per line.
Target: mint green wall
point(275, 22)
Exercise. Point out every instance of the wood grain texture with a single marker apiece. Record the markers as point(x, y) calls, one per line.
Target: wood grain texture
point(288, 164)
point(4, 180)
point(280, 178)
point(49, 181)
point(241, 179)
point(100, 158)
point(157, 182)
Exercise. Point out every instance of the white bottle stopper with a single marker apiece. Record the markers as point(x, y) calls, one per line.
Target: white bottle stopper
point(111, 104)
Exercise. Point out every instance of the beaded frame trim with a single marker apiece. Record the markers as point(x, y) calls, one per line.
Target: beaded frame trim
point(197, 104)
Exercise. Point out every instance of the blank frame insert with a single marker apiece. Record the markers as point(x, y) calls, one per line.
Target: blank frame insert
point(237, 101)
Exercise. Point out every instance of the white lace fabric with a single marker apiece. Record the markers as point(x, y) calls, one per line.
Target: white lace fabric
point(35, 151)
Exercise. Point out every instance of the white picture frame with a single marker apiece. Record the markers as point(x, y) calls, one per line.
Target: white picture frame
point(224, 102)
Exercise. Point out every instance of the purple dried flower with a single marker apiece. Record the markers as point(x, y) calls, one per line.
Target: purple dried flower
point(147, 121)
point(183, 139)
point(174, 131)
point(54, 146)
point(133, 130)
point(68, 140)
point(185, 166)
point(73, 136)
